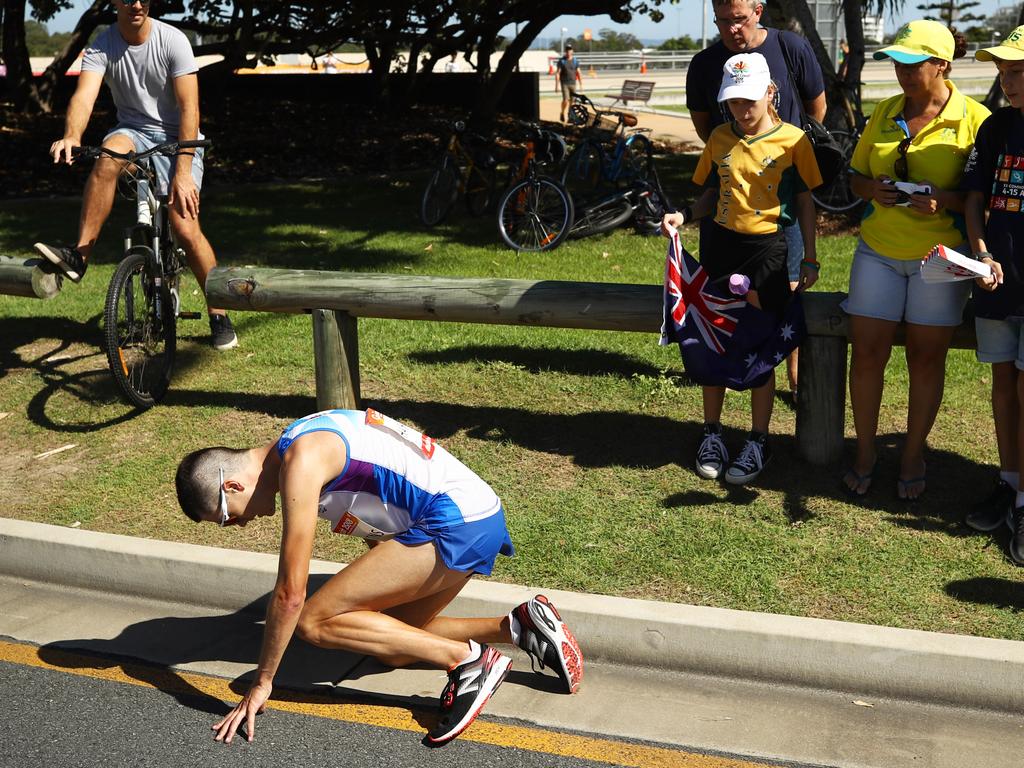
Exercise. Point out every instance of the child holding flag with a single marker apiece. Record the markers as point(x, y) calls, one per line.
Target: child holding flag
point(757, 173)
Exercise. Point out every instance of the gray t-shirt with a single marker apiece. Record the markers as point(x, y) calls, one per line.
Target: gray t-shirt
point(141, 77)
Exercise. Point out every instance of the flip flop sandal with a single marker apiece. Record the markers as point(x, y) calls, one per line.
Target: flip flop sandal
point(902, 487)
point(867, 477)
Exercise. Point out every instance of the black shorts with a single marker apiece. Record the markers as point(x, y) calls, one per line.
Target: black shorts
point(762, 258)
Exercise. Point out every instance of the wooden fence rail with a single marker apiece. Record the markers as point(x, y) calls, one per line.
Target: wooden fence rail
point(27, 277)
point(336, 299)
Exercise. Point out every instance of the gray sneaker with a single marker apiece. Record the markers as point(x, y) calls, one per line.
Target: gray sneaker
point(223, 333)
point(712, 455)
point(748, 465)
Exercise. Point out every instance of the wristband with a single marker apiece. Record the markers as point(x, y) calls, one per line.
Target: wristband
point(810, 263)
point(982, 255)
point(687, 213)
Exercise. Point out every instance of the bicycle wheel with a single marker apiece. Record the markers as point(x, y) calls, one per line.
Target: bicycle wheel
point(480, 190)
point(838, 196)
point(140, 346)
point(583, 171)
point(441, 191)
point(603, 216)
point(535, 215)
point(636, 159)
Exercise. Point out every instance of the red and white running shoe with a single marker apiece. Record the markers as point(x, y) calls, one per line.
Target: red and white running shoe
point(470, 685)
point(538, 629)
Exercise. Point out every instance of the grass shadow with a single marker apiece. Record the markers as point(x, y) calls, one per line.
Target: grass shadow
point(999, 593)
point(581, 362)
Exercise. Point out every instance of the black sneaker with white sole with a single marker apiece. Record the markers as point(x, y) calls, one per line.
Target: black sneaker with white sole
point(992, 511)
point(752, 459)
point(470, 685)
point(67, 259)
point(712, 456)
point(538, 629)
point(222, 333)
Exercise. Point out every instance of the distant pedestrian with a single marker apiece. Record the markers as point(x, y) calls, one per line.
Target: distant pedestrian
point(431, 524)
point(451, 65)
point(567, 77)
point(330, 64)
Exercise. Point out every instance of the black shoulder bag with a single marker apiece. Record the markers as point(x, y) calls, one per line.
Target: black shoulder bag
point(827, 150)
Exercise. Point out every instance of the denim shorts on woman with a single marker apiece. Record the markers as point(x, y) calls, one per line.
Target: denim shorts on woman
point(1000, 341)
point(144, 138)
point(892, 289)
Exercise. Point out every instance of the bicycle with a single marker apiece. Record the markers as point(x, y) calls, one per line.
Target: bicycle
point(838, 196)
point(628, 158)
point(143, 305)
point(536, 213)
point(465, 168)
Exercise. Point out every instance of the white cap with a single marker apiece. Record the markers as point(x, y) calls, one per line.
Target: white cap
point(745, 76)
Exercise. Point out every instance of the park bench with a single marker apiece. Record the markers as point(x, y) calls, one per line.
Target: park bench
point(28, 277)
point(633, 90)
point(337, 299)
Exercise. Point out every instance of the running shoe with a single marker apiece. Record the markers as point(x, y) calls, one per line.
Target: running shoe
point(470, 685)
point(222, 332)
point(67, 259)
point(538, 629)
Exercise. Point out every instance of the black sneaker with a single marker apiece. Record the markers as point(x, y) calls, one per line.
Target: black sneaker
point(750, 462)
point(67, 259)
point(223, 333)
point(470, 685)
point(1017, 538)
point(538, 629)
point(712, 455)
point(995, 509)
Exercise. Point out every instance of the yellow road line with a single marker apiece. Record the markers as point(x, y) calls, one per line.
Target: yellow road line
point(394, 717)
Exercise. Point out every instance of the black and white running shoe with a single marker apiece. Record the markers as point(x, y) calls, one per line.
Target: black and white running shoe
point(67, 259)
point(538, 629)
point(470, 685)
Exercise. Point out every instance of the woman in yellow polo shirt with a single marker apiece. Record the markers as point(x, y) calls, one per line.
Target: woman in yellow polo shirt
point(922, 135)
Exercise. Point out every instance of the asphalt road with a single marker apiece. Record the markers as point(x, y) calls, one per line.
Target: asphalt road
point(55, 719)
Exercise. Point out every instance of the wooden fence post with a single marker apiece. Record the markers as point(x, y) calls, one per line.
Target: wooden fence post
point(26, 277)
point(336, 359)
point(820, 412)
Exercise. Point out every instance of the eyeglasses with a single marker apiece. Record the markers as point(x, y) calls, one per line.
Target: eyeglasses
point(734, 23)
point(223, 502)
point(128, 3)
point(900, 166)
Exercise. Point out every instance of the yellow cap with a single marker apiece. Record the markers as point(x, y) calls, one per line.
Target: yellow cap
point(1011, 49)
point(919, 41)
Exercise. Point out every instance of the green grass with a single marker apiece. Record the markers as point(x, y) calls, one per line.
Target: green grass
point(587, 436)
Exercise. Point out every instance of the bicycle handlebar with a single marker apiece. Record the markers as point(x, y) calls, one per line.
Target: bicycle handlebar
point(167, 148)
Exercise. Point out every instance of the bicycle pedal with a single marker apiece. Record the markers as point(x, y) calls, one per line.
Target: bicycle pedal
point(189, 315)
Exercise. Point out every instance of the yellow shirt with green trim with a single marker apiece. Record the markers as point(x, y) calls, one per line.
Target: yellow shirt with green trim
point(936, 154)
point(757, 177)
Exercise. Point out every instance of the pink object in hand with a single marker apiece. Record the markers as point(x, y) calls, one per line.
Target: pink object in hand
point(739, 284)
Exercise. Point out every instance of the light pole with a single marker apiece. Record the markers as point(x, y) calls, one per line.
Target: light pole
point(561, 47)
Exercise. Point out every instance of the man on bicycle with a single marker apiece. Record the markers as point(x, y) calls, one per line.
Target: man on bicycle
point(431, 523)
point(151, 72)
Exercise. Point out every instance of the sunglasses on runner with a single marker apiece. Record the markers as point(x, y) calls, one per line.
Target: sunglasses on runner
point(127, 3)
point(900, 166)
point(223, 502)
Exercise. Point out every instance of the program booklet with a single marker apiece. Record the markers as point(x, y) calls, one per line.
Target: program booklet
point(943, 265)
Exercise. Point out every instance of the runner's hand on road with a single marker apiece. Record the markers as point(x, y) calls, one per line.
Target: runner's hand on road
point(254, 703)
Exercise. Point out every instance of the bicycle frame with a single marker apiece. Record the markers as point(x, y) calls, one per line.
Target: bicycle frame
point(150, 227)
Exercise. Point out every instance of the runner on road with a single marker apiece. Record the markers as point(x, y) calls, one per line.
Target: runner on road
point(430, 522)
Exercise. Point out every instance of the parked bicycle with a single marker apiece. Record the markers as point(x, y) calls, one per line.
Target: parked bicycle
point(838, 195)
point(613, 151)
point(467, 168)
point(536, 212)
point(143, 304)
point(643, 201)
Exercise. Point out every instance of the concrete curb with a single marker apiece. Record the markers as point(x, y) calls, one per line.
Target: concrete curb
point(880, 661)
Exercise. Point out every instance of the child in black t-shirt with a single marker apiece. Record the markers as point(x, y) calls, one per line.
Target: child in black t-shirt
point(994, 181)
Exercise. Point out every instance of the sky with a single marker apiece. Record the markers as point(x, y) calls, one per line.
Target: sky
point(681, 19)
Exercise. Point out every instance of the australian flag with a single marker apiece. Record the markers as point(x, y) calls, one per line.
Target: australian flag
point(724, 340)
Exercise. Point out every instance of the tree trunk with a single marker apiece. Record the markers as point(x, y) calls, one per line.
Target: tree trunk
point(19, 68)
point(491, 91)
point(854, 24)
point(44, 92)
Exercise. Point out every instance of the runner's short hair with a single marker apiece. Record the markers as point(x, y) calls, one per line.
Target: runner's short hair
point(196, 480)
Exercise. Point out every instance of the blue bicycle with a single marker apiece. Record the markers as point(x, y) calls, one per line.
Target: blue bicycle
point(609, 154)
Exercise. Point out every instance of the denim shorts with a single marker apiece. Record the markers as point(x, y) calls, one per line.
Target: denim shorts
point(892, 289)
point(795, 254)
point(1000, 341)
point(144, 138)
